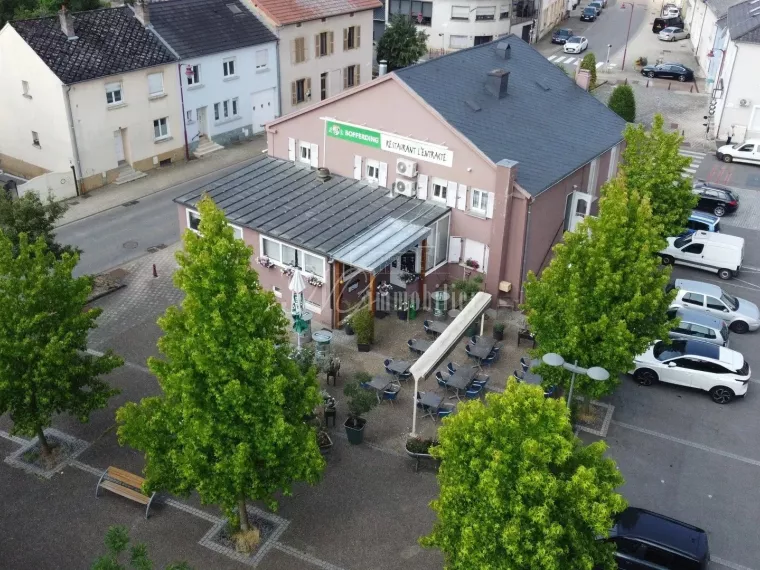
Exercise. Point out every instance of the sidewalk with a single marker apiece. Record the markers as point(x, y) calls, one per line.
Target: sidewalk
point(160, 179)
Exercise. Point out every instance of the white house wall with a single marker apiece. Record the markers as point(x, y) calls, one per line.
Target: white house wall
point(215, 88)
point(703, 35)
point(694, 22)
point(42, 111)
point(740, 80)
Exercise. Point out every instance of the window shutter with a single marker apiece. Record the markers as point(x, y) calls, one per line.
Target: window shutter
point(489, 206)
point(357, 74)
point(315, 156)
point(357, 167)
point(345, 78)
point(292, 149)
point(331, 43)
point(357, 36)
point(293, 50)
point(293, 93)
point(317, 53)
point(451, 194)
point(462, 197)
point(476, 251)
point(422, 186)
point(345, 38)
point(485, 259)
point(307, 88)
point(455, 249)
point(382, 178)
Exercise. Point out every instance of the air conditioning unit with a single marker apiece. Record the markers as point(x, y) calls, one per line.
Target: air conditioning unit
point(406, 167)
point(743, 102)
point(405, 187)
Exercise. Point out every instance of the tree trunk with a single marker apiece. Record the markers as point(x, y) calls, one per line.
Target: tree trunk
point(44, 445)
point(243, 514)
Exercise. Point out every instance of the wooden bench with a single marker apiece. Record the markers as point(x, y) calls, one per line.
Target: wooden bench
point(125, 484)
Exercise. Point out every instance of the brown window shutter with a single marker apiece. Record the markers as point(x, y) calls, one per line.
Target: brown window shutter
point(345, 38)
point(293, 93)
point(331, 46)
point(357, 36)
point(307, 89)
point(293, 51)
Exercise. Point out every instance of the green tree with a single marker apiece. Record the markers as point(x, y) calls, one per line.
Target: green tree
point(623, 102)
point(589, 62)
point(230, 423)
point(518, 491)
point(602, 299)
point(44, 369)
point(652, 166)
point(24, 9)
point(29, 215)
point(401, 44)
point(117, 543)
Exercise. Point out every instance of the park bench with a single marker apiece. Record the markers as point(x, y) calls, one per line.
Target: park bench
point(125, 484)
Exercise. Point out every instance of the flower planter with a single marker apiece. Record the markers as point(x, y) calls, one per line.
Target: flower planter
point(419, 457)
point(349, 329)
point(380, 314)
point(498, 335)
point(401, 315)
point(362, 347)
point(325, 443)
point(355, 435)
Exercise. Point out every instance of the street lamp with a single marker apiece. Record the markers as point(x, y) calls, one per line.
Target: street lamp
point(628, 35)
point(607, 66)
point(596, 373)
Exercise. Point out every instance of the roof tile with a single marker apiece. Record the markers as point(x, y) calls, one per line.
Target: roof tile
point(292, 11)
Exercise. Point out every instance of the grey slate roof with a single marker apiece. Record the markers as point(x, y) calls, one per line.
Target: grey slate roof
point(286, 201)
point(546, 123)
point(744, 22)
point(201, 27)
point(720, 7)
point(109, 41)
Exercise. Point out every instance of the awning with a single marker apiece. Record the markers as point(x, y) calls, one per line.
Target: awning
point(446, 342)
point(375, 248)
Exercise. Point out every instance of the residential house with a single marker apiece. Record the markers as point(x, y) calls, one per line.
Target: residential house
point(423, 176)
point(706, 22)
point(325, 46)
point(94, 90)
point(227, 68)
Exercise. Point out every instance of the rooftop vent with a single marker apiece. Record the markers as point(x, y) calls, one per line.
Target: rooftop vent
point(504, 50)
point(234, 8)
point(542, 84)
point(323, 174)
point(497, 82)
point(472, 105)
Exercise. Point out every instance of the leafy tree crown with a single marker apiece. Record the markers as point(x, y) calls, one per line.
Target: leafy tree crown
point(623, 102)
point(401, 44)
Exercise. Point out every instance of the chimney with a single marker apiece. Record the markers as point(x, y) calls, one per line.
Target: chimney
point(504, 50)
point(583, 78)
point(142, 13)
point(497, 82)
point(67, 23)
point(382, 68)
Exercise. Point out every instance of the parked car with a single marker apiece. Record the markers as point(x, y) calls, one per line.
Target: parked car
point(672, 34)
point(739, 314)
point(670, 12)
point(715, 369)
point(669, 71)
point(702, 221)
point(698, 325)
point(576, 44)
point(562, 35)
point(660, 23)
point(589, 14)
point(719, 200)
point(748, 151)
point(647, 540)
point(598, 5)
point(717, 253)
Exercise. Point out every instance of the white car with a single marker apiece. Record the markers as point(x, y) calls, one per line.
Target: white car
point(748, 151)
point(672, 33)
point(670, 12)
point(575, 44)
point(720, 371)
point(740, 315)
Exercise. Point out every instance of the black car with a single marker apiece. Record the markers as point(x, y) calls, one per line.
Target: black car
point(716, 199)
point(662, 23)
point(562, 35)
point(669, 71)
point(588, 14)
point(645, 540)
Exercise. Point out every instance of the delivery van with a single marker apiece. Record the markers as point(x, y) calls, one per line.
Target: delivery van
point(715, 252)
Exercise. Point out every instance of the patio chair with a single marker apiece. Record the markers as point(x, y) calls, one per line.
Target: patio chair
point(387, 362)
point(467, 350)
point(405, 375)
point(452, 367)
point(426, 326)
point(391, 395)
point(366, 386)
point(446, 410)
point(474, 392)
point(490, 359)
point(520, 375)
point(441, 380)
point(474, 339)
point(481, 381)
point(524, 363)
point(410, 343)
point(549, 393)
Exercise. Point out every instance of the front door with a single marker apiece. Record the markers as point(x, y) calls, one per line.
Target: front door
point(404, 263)
point(118, 143)
point(263, 109)
point(200, 115)
point(526, 33)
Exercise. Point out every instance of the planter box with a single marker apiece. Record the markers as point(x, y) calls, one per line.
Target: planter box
point(325, 448)
point(401, 315)
point(355, 435)
point(362, 347)
point(420, 457)
point(498, 335)
point(348, 329)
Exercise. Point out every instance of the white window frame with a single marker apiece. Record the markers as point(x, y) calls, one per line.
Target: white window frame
point(261, 67)
point(194, 80)
point(313, 307)
point(189, 117)
point(25, 88)
point(165, 135)
point(462, 41)
point(229, 67)
point(305, 273)
point(485, 13)
point(237, 231)
point(304, 152)
point(486, 250)
point(226, 111)
point(612, 170)
point(160, 93)
point(443, 184)
point(506, 9)
point(374, 164)
point(112, 89)
point(481, 208)
point(277, 291)
point(433, 249)
point(460, 13)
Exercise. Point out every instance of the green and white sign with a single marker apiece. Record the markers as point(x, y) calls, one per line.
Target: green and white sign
point(404, 146)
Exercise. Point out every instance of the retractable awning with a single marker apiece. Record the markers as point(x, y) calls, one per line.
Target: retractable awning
point(443, 345)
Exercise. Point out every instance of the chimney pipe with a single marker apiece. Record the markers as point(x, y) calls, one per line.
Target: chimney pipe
point(382, 68)
point(67, 23)
point(497, 82)
point(142, 13)
point(504, 50)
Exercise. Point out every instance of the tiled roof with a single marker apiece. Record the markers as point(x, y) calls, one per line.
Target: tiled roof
point(109, 41)
point(199, 27)
point(284, 200)
point(720, 7)
point(545, 122)
point(744, 22)
point(292, 11)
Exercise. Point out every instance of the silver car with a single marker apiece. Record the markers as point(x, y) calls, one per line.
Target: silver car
point(672, 34)
point(696, 325)
point(740, 315)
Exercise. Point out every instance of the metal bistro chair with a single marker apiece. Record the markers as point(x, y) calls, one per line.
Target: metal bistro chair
point(405, 375)
point(426, 326)
point(452, 367)
point(474, 392)
point(387, 362)
point(520, 375)
point(441, 380)
point(474, 339)
point(524, 363)
point(481, 381)
point(410, 343)
point(446, 410)
point(391, 395)
point(490, 359)
point(550, 391)
point(467, 350)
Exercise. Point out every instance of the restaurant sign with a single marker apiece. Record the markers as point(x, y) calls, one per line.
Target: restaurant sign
point(392, 143)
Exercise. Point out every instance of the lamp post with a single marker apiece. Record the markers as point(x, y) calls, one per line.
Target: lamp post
point(595, 372)
point(607, 66)
point(628, 34)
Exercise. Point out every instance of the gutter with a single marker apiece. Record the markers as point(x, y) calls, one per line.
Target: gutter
point(182, 101)
point(725, 87)
point(72, 130)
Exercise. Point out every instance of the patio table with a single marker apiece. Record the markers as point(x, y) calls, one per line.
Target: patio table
point(437, 327)
point(430, 403)
point(461, 379)
point(531, 377)
point(379, 383)
point(420, 345)
point(399, 366)
point(482, 348)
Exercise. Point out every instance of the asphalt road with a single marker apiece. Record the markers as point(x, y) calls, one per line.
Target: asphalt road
point(736, 175)
point(121, 234)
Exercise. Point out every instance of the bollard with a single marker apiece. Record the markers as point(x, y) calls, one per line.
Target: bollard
point(155, 273)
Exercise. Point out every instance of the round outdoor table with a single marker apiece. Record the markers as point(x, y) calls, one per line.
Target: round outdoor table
point(454, 313)
point(306, 317)
point(322, 339)
point(440, 298)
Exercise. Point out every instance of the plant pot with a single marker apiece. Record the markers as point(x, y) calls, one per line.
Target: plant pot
point(355, 435)
point(362, 347)
point(380, 314)
point(326, 445)
point(498, 335)
point(401, 315)
point(349, 329)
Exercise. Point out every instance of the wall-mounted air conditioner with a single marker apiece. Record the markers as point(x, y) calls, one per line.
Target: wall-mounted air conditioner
point(406, 167)
point(743, 102)
point(405, 187)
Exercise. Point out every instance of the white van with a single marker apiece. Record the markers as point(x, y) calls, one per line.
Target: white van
point(718, 253)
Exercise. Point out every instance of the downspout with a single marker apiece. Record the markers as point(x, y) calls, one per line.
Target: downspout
point(184, 118)
point(279, 82)
point(525, 252)
point(701, 33)
point(725, 87)
point(75, 148)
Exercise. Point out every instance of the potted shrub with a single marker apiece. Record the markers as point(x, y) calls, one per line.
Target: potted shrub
point(465, 289)
point(401, 310)
point(418, 448)
point(349, 330)
point(498, 331)
point(364, 325)
point(360, 401)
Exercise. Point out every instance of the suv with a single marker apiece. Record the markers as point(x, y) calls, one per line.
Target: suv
point(720, 371)
point(562, 35)
point(740, 315)
point(647, 540)
point(715, 198)
point(697, 325)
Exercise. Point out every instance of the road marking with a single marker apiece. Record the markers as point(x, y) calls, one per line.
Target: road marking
point(552, 57)
point(130, 364)
point(727, 564)
point(570, 60)
point(706, 448)
point(692, 170)
point(560, 59)
point(600, 64)
point(692, 153)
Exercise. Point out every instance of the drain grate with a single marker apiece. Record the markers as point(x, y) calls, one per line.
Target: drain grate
point(132, 203)
point(155, 248)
